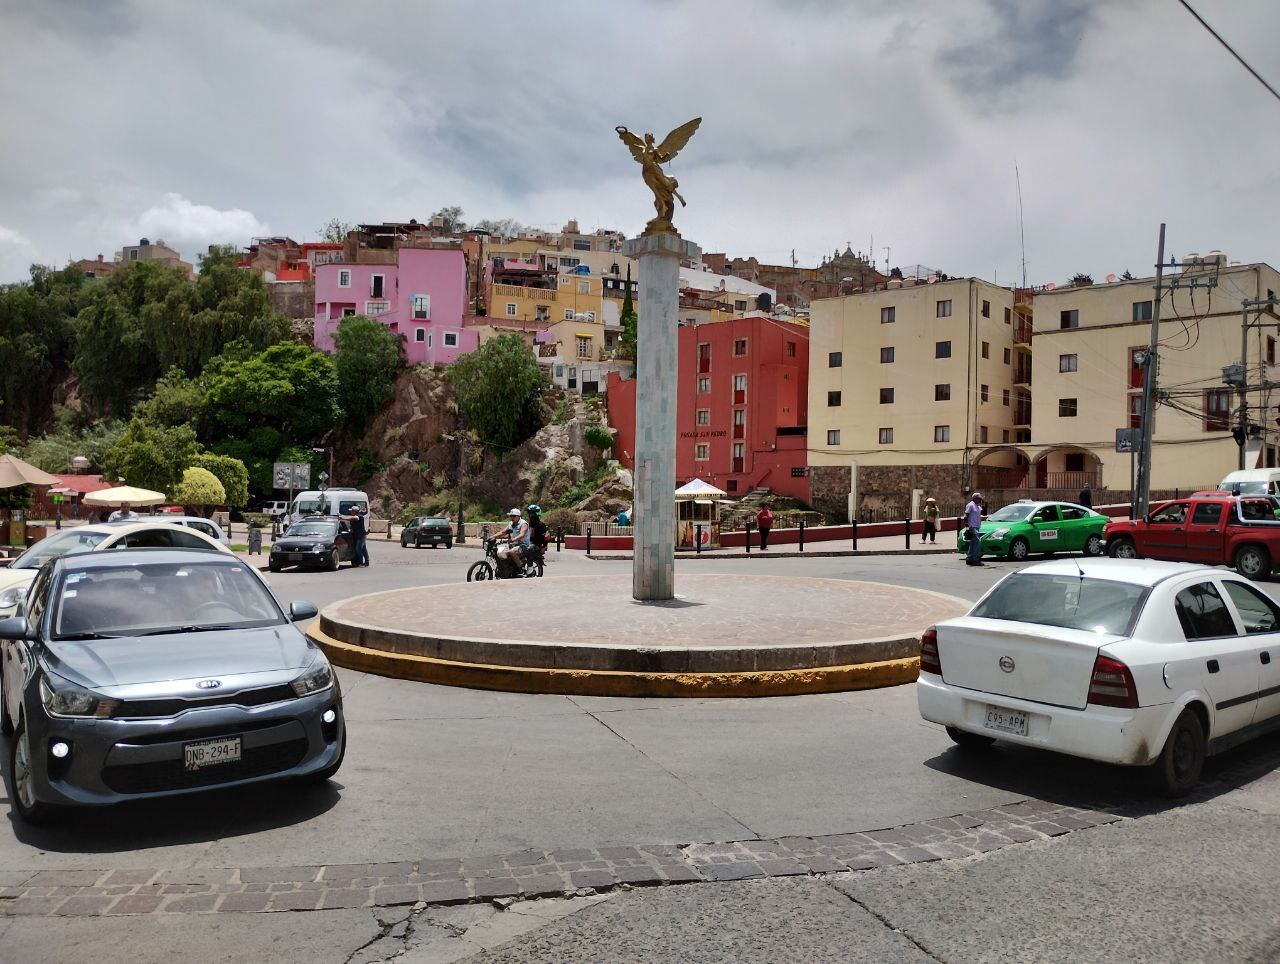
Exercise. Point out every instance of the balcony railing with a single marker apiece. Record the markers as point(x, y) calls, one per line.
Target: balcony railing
point(1072, 480)
point(1022, 375)
point(1022, 333)
point(521, 291)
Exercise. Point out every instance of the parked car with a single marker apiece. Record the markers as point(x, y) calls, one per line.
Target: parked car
point(1213, 528)
point(154, 534)
point(321, 541)
point(1021, 528)
point(427, 531)
point(1129, 662)
point(200, 524)
point(156, 672)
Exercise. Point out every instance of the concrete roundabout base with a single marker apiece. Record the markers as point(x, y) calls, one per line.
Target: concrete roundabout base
point(723, 636)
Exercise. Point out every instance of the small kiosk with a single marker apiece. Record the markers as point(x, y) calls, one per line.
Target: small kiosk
point(698, 504)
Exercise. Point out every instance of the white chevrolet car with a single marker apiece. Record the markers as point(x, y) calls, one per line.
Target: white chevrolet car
point(1125, 661)
point(94, 538)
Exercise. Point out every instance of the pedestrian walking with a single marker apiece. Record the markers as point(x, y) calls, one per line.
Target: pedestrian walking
point(1086, 496)
point(764, 522)
point(973, 530)
point(931, 513)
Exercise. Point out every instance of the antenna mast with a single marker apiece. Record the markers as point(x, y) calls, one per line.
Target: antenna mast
point(1022, 236)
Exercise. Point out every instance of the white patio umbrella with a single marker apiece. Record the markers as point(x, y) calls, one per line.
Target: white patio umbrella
point(124, 495)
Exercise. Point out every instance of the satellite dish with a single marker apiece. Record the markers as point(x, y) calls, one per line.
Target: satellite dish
point(1050, 286)
point(1110, 278)
point(932, 278)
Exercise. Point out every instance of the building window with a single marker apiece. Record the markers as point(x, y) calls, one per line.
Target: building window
point(1142, 311)
point(1004, 435)
point(1008, 320)
point(982, 434)
point(704, 386)
point(419, 334)
point(372, 308)
point(739, 386)
point(942, 349)
point(986, 349)
point(888, 315)
point(1068, 363)
point(944, 308)
point(428, 339)
point(133, 254)
point(835, 359)
point(451, 340)
point(986, 313)
point(1069, 318)
point(739, 418)
point(942, 433)
point(377, 285)
point(704, 358)
point(833, 436)
point(1271, 350)
point(1004, 399)
point(584, 347)
point(985, 393)
point(422, 307)
point(739, 346)
point(791, 349)
point(584, 287)
point(702, 451)
point(559, 371)
point(886, 436)
point(511, 309)
point(348, 312)
point(1217, 410)
point(581, 244)
point(568, 314)
point(703, 416)
point(886, 356)
point(833, 399)
point(1135, 411)
point(1007, 356)
point(542, 313)
point(572, 380)
point(570, 262)
point(739, 306)
point(344, 278)
point(942, 393)
point(886, 396)
point(1066, 408)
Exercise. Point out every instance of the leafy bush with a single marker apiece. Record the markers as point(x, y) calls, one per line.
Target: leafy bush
point(565, 519)
point(199, 487)
point(599, 437)
point(499, 389)
point(564, 411)
point(231, 473)
point(257, 520)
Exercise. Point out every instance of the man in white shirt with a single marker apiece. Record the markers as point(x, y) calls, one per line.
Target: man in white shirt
point(123, 514)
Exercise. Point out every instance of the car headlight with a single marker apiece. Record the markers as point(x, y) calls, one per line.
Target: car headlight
point(318, 547)
point(63, 698)
point(10, 598)
point(315, 679)
point(999, 533)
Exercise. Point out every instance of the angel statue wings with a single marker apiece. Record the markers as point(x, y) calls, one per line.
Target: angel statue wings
point(651, 157)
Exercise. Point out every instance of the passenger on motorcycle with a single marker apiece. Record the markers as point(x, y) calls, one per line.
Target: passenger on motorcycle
point(517, 538)
point(537, 528)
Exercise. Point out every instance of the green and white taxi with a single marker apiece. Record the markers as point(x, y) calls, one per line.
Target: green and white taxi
point(1021, 528)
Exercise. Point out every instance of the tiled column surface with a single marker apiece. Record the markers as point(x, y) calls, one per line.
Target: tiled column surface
point(653, 566)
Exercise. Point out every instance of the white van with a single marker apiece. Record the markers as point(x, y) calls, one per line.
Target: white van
point(328, 502)
point(1252, 482)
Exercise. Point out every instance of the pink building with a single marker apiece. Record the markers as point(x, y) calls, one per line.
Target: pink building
point(422, 297)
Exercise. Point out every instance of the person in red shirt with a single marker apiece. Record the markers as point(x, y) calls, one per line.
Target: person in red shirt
point(764, 522)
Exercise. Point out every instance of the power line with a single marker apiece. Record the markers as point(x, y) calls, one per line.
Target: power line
point(1244, 63)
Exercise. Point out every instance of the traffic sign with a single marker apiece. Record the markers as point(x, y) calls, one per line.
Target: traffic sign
point(291, 475)
point(1128, 439)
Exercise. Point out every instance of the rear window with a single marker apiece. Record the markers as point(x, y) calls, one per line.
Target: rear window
point(1070, 602)
point(437, 524)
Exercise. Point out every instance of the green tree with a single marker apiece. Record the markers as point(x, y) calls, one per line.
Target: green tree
point(288, 388)
point(452, 217)
point(151, 456)
point(499, 388)
point(200, 488)
point(177, 400)
point(630, 323)
point(36, 334)
point(230, 473)
point(1126, 276)
point(368, 359)
point(335, 231)
point(54, 452)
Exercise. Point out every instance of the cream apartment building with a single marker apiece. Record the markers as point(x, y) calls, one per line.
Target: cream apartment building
point(909, 386)
point(1087, 385)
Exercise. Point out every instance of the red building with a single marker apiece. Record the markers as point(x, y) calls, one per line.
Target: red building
point(741, 415)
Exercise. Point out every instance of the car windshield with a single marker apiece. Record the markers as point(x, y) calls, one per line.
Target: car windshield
point(322, 530)
point(1071, 602)
point(158, 598)
point(74, 540)
point(1249, 488)
point(1011, 513)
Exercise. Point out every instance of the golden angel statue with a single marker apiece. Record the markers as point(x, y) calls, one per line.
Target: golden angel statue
point(651, 157)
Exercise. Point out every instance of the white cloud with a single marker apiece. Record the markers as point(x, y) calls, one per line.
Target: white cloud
point(12, 238)
point(180, 222)
point(16, 255)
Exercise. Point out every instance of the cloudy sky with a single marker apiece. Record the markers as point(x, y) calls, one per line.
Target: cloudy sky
point(825, 123)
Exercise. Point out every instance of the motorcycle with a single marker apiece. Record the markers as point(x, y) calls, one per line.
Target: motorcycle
point(495, 566)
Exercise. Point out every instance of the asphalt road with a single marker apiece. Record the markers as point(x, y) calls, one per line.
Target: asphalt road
point(437, 771)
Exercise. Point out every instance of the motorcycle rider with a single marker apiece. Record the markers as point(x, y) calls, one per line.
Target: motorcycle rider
point(517, 535)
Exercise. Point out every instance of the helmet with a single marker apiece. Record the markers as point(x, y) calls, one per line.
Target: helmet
point(534, 509)
point(514, 512)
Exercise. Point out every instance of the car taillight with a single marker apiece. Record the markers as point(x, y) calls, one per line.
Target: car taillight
point(1112, 684)
point(929, 661)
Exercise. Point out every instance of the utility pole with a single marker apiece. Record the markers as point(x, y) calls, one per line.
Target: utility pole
point(1142, 496)
point(1260, 304)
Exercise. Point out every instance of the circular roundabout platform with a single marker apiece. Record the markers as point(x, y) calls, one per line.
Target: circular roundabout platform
point(722, 636)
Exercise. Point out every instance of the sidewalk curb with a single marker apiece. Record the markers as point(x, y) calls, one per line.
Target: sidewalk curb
point(771, 554)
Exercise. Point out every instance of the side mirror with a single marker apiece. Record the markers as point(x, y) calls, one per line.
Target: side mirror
point(299, 609)
point(17, 627)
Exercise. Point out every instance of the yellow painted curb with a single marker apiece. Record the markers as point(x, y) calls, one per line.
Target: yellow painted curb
point(585, 682)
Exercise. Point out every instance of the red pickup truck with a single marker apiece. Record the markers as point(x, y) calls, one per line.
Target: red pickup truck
point(1212, 528)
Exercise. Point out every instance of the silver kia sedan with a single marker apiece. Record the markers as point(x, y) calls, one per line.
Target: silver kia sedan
point(154, 672)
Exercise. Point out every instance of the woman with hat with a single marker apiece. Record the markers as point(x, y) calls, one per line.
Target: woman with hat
point(931, 513)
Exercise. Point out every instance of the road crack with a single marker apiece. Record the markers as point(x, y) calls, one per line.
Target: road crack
point(883, 920)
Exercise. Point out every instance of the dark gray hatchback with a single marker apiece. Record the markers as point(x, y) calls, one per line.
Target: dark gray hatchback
point(427, 531)
point(146, 672)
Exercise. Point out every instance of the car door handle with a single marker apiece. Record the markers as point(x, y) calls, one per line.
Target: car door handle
point(1265, 657)
point(1212, 665)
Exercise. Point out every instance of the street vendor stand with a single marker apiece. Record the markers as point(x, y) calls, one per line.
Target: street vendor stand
point(698, 515)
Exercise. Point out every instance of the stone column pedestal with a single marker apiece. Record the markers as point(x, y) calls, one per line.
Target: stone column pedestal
point(654, 565)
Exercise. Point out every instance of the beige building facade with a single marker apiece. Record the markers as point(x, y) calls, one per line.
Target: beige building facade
point(908, 386)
